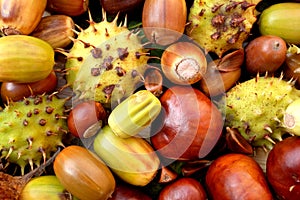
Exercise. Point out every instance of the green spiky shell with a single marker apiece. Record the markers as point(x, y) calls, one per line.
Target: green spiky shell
point(221, 25)
point(30, 130)
point(256, 108)
point(104, 57)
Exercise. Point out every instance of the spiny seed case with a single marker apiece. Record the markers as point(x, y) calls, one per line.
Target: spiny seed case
point(105, 57)
point(221, 25)
point(30, 130)
point(257, 108)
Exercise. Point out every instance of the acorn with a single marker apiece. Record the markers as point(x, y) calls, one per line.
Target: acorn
point(83, 174)
point(45, 187)
point(66, 7)
point(19, 16)
point(134, 114)
point(164, 20)
point(56, 30)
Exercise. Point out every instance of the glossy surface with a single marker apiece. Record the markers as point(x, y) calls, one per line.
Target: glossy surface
point(164, 20)
point(265, 54)
point(125, 191)
point(183, 63)
point(281, 19)
point(17, 91)
point(236, 177)
point(83, 174)
point(183, 189)
point(84, 115)
point(19, 16)
point(191, 124)
point(70, 8)
point(283, 168)
point(45, 187)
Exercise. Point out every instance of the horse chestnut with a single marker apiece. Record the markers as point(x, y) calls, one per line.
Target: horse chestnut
point(283, 168)
point(83, 116)
point(265, 54)
point(183, 189)
point(17, 91)
point(236, 176)
point(191, 124)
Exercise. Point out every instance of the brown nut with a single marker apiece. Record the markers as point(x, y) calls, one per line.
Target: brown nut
point(183, 63)
point(122, 6)
point(164, 20)
point(19, 16)
point(67, 7)
point(222, 73)
point(56, 30)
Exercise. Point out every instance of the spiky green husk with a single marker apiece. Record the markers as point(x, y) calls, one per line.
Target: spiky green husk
point(221, 25)
point(257, 107)
point(30, 130)
point(105, 57)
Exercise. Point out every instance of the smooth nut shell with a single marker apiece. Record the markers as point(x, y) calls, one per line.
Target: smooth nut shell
point(19, 16)
point(67, 7)
point(236, 176)
point(56, 30)
point(83, 174)
point(283, 168)
point(17, 91)
point(265, 54)
point(191, 124)
point(183, 188)
point(84, 115)
point(122, 6)
point(164, 20)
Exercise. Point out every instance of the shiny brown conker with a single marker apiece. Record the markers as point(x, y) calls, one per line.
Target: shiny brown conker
point(17, 91)
point(124, 191)
point(184, 188)
point(236, 176)
point(83, 116)
point(265, 54)
point(283, 168)
point(190, 124)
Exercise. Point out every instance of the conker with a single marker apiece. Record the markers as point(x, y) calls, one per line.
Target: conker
point(17, 91)
point(191, 124)
point(184, 188)
point(265, 54)
point(283, 168)
point(236, 176)
point(84, 115)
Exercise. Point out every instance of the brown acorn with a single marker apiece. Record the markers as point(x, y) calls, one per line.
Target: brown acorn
point(19, 16)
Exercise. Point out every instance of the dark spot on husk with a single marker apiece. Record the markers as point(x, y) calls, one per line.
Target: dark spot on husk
point(36, 111)
point(107, 63)
point(120, 71)
point(95, 71)
point(42, 122)
point(108, 89)
point(96, 52)
point(49, 110)
point(25, 122)
point(123, 53)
